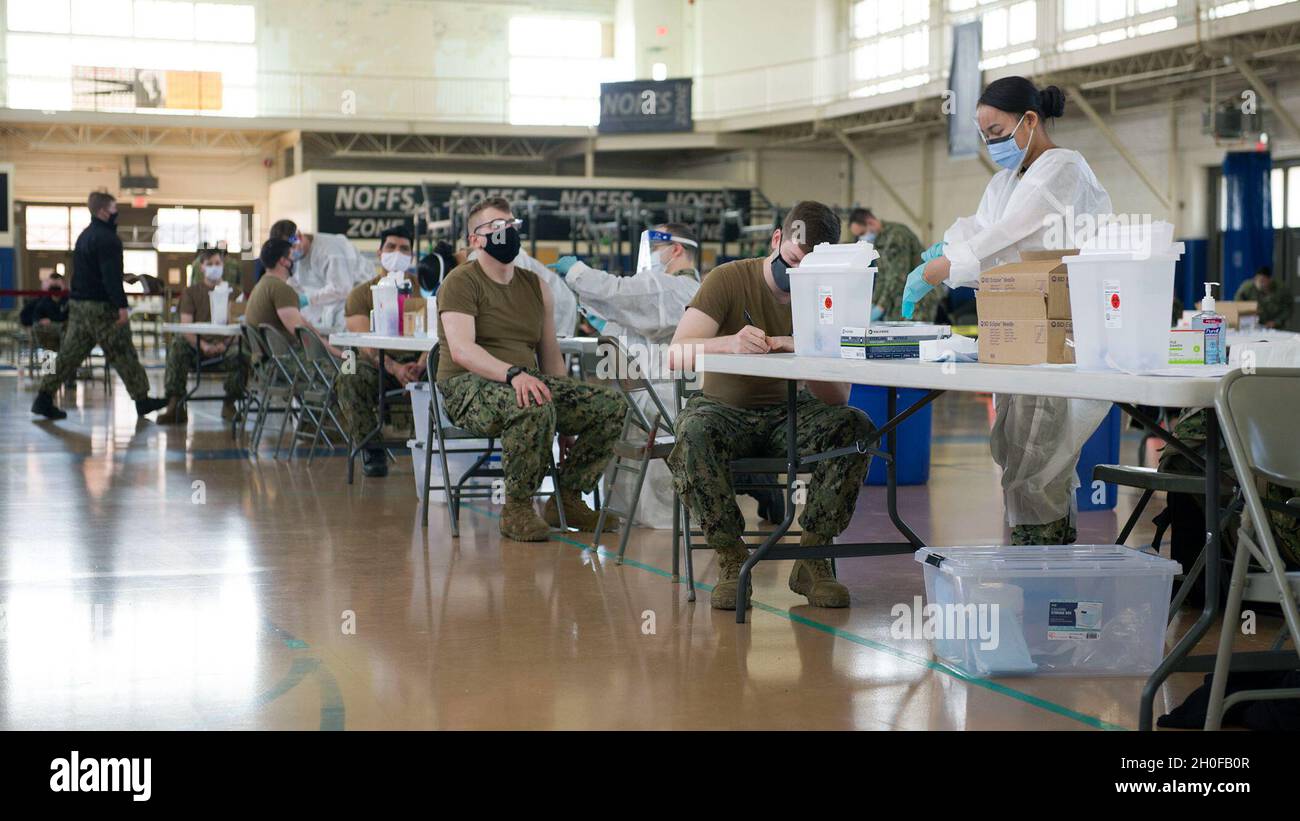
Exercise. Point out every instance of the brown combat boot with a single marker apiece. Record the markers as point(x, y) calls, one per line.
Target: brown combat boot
point(724, 591)
point(576, 513)
point(813, 577)
point(175, 413)
point(520, 522)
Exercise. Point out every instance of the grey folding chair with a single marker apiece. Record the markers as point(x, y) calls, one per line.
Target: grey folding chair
point(323, 393)
point(446, 434)
point(284, 375)
point(1257, 414)
point(647, 435)
point(258, 384)
point(759, 473)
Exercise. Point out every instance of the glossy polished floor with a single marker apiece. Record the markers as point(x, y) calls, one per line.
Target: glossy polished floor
point(157, 577)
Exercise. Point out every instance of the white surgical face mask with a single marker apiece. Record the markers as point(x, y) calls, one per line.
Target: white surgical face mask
point(213, 272)
point(658, 264)
point(395, 262)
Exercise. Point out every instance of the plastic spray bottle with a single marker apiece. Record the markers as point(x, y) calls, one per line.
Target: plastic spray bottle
point(1212, 323)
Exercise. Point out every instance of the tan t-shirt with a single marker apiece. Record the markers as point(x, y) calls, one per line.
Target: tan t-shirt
point(196, 302)
point(727, 292)
point(269, 295)
point(508, 319)
point(361, 301)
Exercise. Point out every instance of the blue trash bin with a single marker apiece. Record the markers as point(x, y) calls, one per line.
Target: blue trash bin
point(913, 442)
point(1101, 449)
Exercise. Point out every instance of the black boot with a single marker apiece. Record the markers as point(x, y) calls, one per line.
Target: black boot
point(374, 462)
point(149, 404)
point(44, 405)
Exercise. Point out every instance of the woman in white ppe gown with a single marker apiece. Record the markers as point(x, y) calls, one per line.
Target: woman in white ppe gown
point(1037, 199)
point(325, 270)
point(642, 311)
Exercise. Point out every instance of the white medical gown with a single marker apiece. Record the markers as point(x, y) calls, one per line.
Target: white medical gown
point(641, 311)
point(1036, 440)
point(329, 271)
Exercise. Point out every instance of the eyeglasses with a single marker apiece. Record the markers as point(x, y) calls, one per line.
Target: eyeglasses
point(497, 226)
point(994, 140)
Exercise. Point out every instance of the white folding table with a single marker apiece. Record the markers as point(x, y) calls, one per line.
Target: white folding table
point(1066, 381)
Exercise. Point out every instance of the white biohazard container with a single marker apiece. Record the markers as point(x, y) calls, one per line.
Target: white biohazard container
point(1122, 296)
point(1066, 610)
point(831, 290)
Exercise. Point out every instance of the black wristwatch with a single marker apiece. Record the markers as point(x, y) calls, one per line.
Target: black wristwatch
point(514, 371)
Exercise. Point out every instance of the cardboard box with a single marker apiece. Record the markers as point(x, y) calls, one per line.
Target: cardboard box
point(413, 316)
point(1233, 311)
point(1186, 347)
point(1040, 271)
point(1015, 330)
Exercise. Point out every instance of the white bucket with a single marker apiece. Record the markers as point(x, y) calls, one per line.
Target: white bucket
point(1121, 308)
point(829, 291)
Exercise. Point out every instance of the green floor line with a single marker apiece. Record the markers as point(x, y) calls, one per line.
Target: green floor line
point(863, 641)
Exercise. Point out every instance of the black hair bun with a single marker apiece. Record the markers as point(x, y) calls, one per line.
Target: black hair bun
point(1052, 101)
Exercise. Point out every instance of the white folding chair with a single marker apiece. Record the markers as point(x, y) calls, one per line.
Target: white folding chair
point(1257, 414)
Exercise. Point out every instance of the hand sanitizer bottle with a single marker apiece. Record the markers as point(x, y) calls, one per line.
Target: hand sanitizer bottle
point(1216, 351)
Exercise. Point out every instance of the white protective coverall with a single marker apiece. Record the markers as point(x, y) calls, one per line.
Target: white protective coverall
point(325, 275)
point(1036, 440)
point(566, 304)
point(641, 311)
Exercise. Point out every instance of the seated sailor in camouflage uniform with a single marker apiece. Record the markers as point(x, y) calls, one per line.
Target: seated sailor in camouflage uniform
point(185, 351)
point(502, 376)
point(744, 307)
point(359, 389)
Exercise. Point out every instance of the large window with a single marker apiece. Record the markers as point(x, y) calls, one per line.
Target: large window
point(164, 56)
point(1089, 23)
point(183, 230)
point(891, 49)
point(556, 68)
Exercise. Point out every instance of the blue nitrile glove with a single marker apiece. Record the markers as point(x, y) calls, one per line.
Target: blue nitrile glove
point(563, 264)
point(303, 301)
point(877, 313)
point(933, 252)
point(596, 321)
point(915, 290)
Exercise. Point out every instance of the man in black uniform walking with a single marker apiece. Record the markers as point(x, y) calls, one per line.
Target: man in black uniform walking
point(98, 314)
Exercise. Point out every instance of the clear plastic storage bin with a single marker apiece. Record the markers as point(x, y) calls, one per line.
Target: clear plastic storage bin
point(1072, 610)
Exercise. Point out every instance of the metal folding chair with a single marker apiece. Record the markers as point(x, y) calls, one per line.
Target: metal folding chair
point(756, 468)
point(323, 394)
point(1257, 412)
point(444, 432)
point(278, 385)
point(304, 395)
point(644, 439)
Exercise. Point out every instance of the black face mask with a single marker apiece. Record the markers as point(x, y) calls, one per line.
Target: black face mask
point(781, 272)
point(112, 218)
point(505, 248)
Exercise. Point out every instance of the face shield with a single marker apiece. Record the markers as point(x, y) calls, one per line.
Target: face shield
point(652, 248)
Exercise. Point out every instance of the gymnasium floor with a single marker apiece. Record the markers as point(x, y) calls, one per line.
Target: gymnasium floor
point(160, 578)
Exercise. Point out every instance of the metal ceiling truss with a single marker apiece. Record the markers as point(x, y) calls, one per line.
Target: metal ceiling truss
point(353, 145)
point(120, 139)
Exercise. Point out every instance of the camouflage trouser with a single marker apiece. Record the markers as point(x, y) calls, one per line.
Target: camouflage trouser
point(593, 413)
point(1190, 429)
point(359, 400)
point(91, 324)
point(182, 359)
point(49, 336)
point(711, 434)
point(1057, 532)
